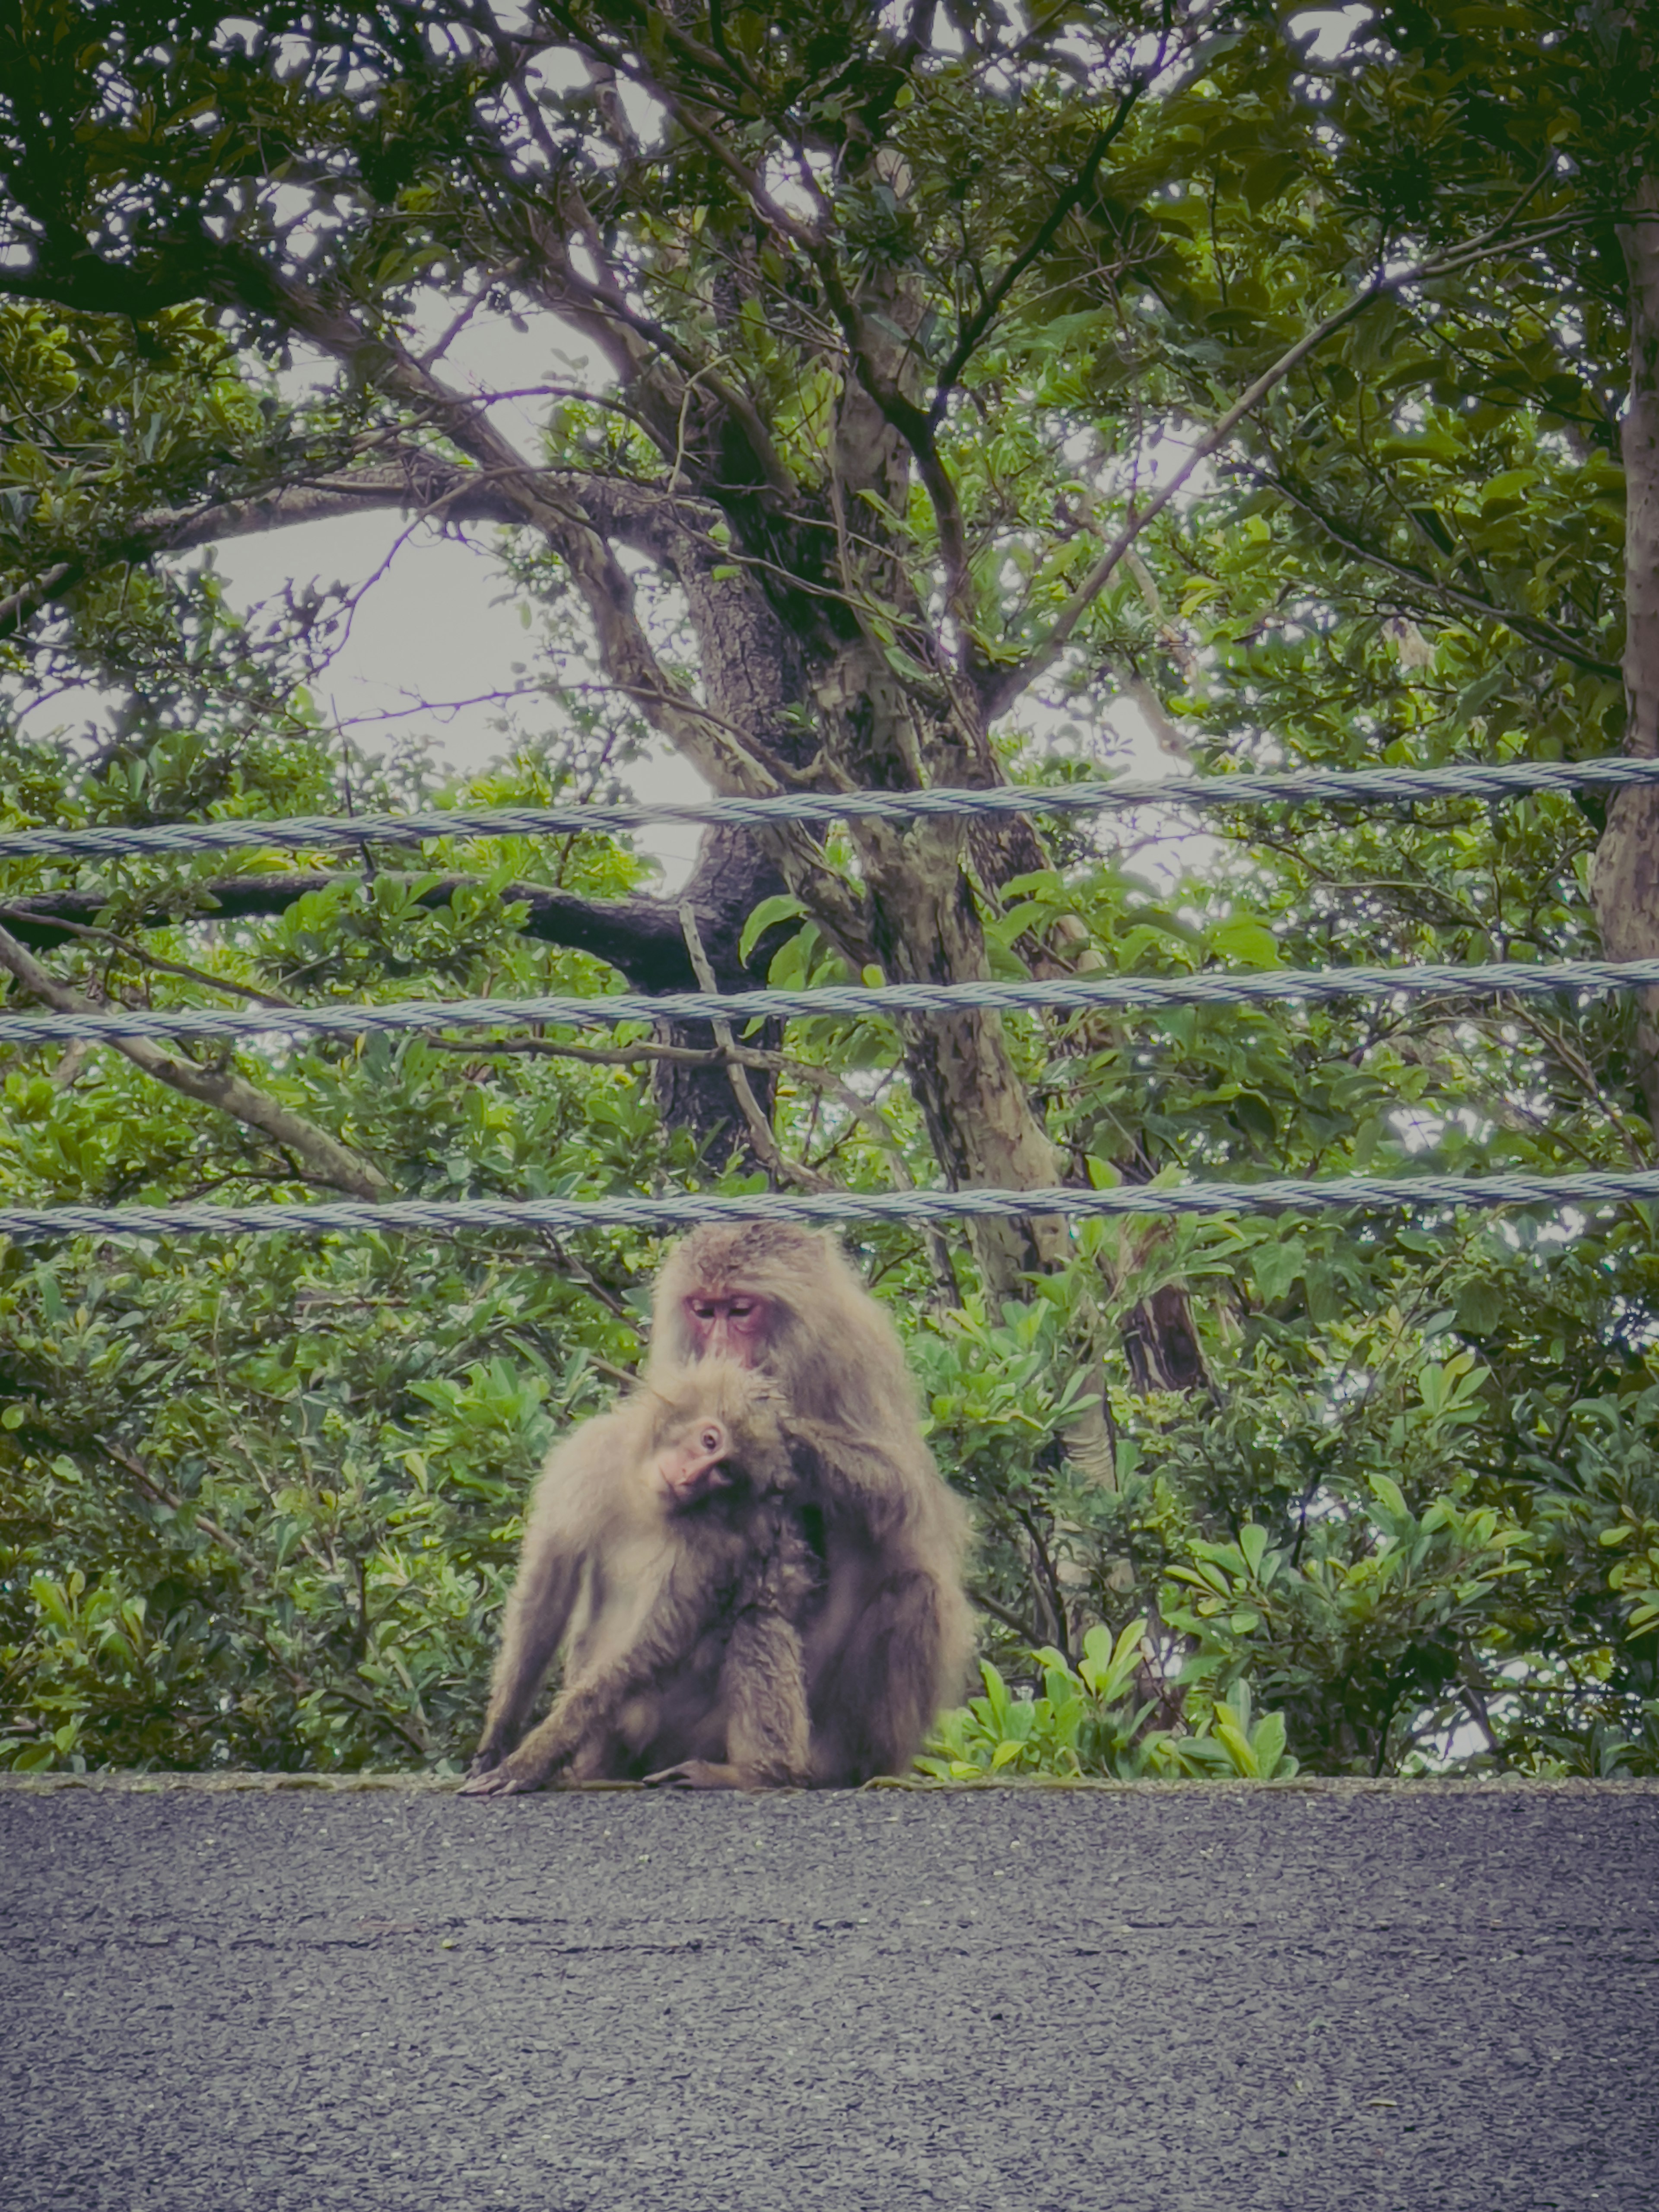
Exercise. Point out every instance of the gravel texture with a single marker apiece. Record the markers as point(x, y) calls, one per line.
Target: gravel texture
point(1208, 2000)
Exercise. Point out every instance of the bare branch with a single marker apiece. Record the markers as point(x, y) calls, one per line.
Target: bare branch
point(625, 651)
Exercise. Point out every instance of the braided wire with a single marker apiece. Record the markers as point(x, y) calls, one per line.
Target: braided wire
point(1376, 786)
point(447, 1216)
point(1116, 992)
point(1366, 786)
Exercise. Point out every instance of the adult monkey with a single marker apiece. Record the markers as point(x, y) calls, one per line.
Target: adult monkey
point(665, 1541)
point(887, 1642)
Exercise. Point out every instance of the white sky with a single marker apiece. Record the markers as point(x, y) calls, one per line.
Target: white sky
point(439, 629)
point(442, 624)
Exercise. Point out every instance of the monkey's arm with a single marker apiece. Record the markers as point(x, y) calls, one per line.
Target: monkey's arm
point(587, 1710)
point(891, 1642)
point(849, 1473)
point(560, 1531)
point(538, 1614)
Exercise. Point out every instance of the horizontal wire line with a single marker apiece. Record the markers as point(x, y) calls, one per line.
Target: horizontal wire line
point(1117, 992)
point(1377, 787)
point(1373, 786)
point(1338, 1194)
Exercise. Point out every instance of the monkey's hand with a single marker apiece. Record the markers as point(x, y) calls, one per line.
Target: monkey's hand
point(507, 1780)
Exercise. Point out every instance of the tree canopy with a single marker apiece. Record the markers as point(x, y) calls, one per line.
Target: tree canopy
point(926, 390)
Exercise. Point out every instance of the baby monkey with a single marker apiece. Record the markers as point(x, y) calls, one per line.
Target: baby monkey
point(662, 1543)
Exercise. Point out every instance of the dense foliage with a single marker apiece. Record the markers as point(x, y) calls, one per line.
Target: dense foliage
point(883, 332)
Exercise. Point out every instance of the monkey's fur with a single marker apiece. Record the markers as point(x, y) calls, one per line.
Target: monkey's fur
point(887, 1642)
point(683, 1654)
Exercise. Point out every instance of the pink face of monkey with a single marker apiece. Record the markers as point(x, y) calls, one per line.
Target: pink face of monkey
point(693, 1464)
point(728, 1325)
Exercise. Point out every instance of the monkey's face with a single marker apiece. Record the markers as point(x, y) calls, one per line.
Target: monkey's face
point(695, 1463)
point(728, 1325)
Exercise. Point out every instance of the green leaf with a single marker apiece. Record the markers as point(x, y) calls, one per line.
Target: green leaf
point(769, 912)
point(1248, 942)
point(1390, 1497)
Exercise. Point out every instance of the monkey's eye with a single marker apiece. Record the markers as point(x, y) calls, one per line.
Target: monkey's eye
point(712, 1440)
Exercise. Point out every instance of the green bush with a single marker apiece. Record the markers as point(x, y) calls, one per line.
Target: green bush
point(1086, 1722)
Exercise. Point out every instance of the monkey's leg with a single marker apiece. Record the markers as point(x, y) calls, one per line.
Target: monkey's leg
point(872, 1710)
point(586, 1712)
point(763, 1691)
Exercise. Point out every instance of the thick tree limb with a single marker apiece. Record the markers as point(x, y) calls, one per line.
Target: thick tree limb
point(322, 1158)
point(1625, 881)
point(1639, 437)
point(915, 425)
point(638, 935)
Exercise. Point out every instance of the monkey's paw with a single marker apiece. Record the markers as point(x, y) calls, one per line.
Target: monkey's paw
point(499, 1782)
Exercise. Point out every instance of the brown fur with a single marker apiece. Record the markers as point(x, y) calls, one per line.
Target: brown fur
point(888, 1642)
point(683, 1653)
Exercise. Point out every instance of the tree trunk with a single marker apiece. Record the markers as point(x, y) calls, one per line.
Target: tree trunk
point(1625, 882)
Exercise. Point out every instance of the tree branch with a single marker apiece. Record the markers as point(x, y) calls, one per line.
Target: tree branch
point(636, 936)
point(162, 1495)
point(1043, 237)
point(913, 424)
point(1547, 635)
point(21, 605)
point(1011, 682)
point(322, 1158)
point(767, 1148)
point(154, 961)
point(1625, 875)
point(1639, 437)
point(625, 651)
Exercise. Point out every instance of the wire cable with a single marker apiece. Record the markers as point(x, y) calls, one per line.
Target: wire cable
point(449, 1217)
point(1376, 787)
point(1116, 992)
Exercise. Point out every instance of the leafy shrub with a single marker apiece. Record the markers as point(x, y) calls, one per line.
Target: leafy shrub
point(1087, 1722)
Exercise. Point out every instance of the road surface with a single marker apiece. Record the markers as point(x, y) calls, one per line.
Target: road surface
point(1194, 2000)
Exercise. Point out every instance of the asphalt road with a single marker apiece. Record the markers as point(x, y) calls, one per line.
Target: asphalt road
point(1204, 2000)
